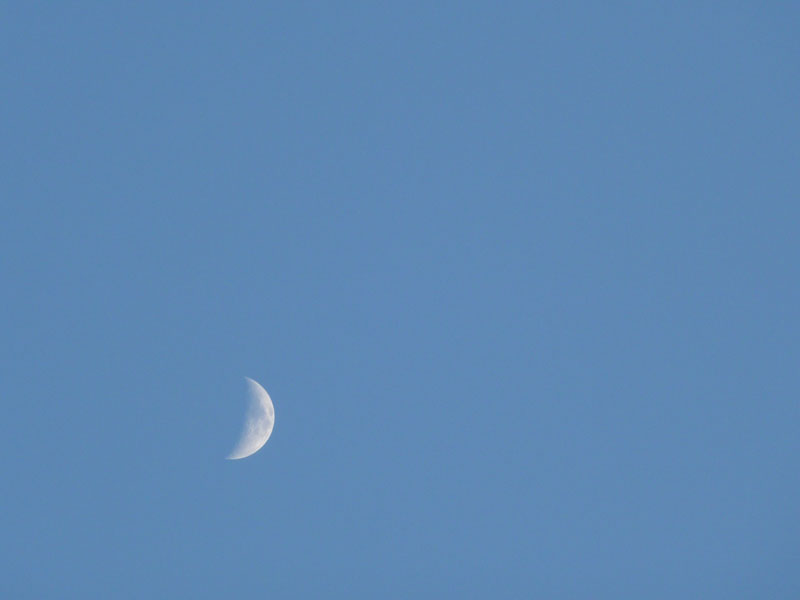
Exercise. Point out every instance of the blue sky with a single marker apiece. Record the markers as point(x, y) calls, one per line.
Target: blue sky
point(521, 280)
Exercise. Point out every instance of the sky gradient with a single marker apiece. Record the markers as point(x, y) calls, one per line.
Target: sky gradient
point(522, 282)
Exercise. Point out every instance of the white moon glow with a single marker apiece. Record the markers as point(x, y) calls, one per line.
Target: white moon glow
point(258, 423)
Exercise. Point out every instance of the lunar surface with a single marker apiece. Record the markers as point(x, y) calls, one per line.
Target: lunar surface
point(258, 422)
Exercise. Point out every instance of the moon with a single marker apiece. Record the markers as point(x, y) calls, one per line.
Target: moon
point(257, 424)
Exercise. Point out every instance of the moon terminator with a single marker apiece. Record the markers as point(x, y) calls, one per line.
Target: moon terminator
point(258, 423)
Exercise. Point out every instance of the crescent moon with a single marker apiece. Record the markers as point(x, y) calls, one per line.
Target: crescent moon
point(258, 423)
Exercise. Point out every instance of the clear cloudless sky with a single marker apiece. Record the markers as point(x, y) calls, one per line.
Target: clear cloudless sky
point(521, 279)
